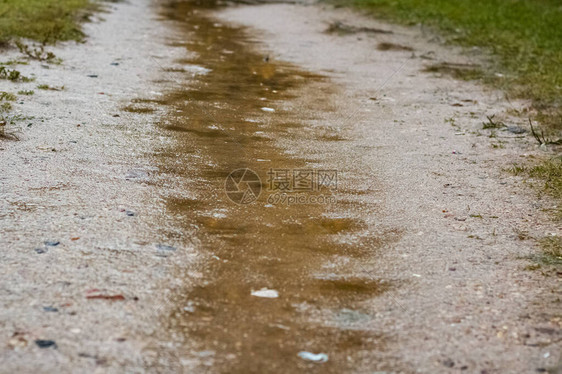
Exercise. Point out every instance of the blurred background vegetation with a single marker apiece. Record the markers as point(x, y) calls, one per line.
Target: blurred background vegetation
point(46, 21)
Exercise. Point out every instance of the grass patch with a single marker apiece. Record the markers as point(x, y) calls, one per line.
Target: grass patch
point(12, 75)
point(5, 107)
point(524, 36)
point(548, 171)
point(35, 53)
point(5, 119)
point(46, 87)
point(551, 251)
point(46, 21)
point(26, 92)
point(492, 124)
point(7, 96)
point(14, 62)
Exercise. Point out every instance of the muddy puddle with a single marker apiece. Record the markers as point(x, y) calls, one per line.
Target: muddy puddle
point(233, 123)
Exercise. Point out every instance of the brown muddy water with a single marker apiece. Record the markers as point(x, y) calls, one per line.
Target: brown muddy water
point(309, 253)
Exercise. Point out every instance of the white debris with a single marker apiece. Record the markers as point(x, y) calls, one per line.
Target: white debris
point(196, 69)
point(265, 292)
point(266, 109)
point(314, 357)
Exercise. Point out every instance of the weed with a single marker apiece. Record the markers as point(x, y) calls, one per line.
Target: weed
point(551, 247)
point(491, 124)
point(5, 107)
point(451, 121)
point(532, 267)
point(517, 170)
point(26, 92)
point(5, 120)
point(12, 75)
point(522, 234)
point(548, 173)
point(542, 139)
point(14, 62)
point(49, 88)
point(38, 53)
point(7, 96)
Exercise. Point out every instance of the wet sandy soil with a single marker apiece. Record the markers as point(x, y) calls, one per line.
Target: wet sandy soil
point(413, 261)
point(467, 300)
point(348, 285)
point(233, 118)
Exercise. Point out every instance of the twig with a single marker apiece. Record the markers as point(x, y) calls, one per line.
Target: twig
point(541, 142)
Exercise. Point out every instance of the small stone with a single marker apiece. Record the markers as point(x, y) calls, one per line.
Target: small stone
point(50, 309)
point(114, 64)
point(92, 75)
point(130, 213)
point(51, 243)
point(41, 250)
point(46, 343)
point(314, 357)
point(516, 130)
point(164, 247)
point(265, 292)
point(136, 174)
point(448, 363)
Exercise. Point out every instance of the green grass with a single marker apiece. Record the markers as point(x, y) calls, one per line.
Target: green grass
point(46, 87)
point(46, 21)
point(524, 36)
point(549, 175)
point(13, 75)
point(7, 96)
point(552, 249)
point(549, 172)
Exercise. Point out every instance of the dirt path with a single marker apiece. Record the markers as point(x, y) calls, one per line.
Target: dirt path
point(412, 262)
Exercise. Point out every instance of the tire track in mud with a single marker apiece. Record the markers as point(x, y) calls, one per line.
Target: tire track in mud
point(311, 254)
